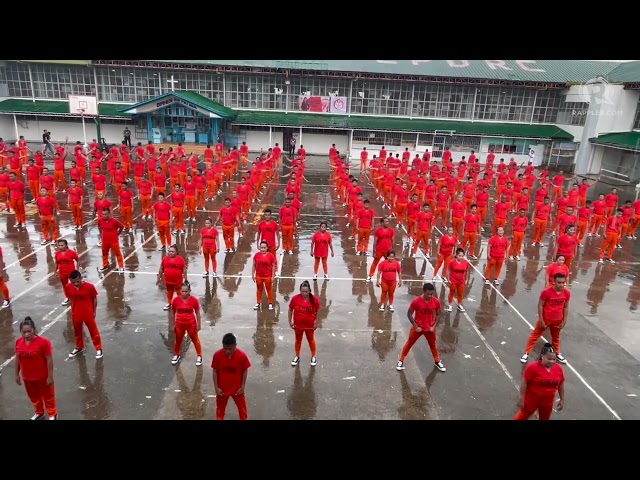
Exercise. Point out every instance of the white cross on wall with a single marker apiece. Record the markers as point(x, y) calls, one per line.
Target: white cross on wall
point(172, 82)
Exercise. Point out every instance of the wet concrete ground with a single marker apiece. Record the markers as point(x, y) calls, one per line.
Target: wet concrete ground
point(357, 346)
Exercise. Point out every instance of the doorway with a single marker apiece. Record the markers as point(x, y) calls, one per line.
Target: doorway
point(289, 134)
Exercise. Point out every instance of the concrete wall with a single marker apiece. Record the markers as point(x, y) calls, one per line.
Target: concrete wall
point(32, 130)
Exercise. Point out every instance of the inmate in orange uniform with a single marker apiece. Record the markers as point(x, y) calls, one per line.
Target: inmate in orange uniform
point(47, 207)
point(321, 243)
point(498, 246)
point(66, 260)
point(382, 244)
point(423, 313)
point(556, 267)
point(209, 238)
point(303, 318)
point(553, 308)
point(459, 269)
point(264, 269)
point(389, 277)
point(229, 216)
point(186, 319)
point(287, 225)
point(34, 362)
point(174, 269)
point(230, 367)
point(84, 301)
point(364, 223)
point(126, 206)
point(612, 229)
point(75, 195)
point(110, 229)
point(445, 254)
point(540, 383)
point(267, 232)
point(162, 210)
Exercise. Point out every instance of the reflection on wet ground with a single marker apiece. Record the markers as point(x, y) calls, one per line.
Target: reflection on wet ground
point(358, 346)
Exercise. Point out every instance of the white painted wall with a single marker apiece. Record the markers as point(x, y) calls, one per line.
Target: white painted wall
point(319, 144)
point(257, 139)
point(575, 130)
point(32, 130)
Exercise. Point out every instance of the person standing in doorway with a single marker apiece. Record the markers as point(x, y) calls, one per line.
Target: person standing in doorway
point(34, 363)
point(292, 146)
point(303, 319)
point(84, 302)
point(423, 314)
point(127, 137)
point(540, 383)
point(230, 368)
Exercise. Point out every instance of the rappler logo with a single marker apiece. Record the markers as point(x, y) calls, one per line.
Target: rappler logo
point(598, 90)
point(338, 104)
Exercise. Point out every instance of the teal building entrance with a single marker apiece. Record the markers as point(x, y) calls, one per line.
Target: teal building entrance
point(181, 117)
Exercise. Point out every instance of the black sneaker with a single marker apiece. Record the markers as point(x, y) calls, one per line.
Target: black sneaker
point(37, 416)
point(75, 352)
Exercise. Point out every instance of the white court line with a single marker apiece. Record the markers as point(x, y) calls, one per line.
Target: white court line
point(474, 326)
point(280, 264)
point(48, 276)
point(99, 282)
point(61, 236)
point(222, 276)
point(531, 327)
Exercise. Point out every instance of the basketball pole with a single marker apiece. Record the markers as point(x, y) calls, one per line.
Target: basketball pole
point(84, 129)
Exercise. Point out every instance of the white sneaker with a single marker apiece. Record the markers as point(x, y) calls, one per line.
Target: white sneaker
point(400, 365)
point(315, 276)
point(326, 277)
point(448, 308)
point(524, 358)
point(440, 366)
point(392, 308)
point(518, 257)
point(175, 359)
point(256, 306)
point(271, 306)
point(6, 304)
point(166, 307)
point(205, 274)
point(99, 354)
point(295, 361)
point(314, 361)
point(461, 308)
point(290, 252)
point(381, 309)
point(198, 361)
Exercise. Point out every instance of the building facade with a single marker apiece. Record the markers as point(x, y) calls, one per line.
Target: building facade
point(508, 106)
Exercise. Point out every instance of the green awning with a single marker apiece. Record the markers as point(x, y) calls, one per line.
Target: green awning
point(355, 122)
point(55, 108)
point(623, 140)
point(188, 98)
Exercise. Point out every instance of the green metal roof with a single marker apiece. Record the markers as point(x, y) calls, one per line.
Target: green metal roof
point(64, 62)
point(192, 97)
point(624, 140)
point(546, 71)
point(246, 117)
point(628, 72)
point(57, 108)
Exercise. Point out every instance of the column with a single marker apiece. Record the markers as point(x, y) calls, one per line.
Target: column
point(300, 139)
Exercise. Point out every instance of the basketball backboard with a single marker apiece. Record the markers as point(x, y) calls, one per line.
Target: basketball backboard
point(83, 105)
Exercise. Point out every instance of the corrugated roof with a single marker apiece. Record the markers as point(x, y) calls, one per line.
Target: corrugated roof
point(628, 72)
point(46, 107)
point(547, 71)
point(625, 140)
point(192, 97)
point(400, 124)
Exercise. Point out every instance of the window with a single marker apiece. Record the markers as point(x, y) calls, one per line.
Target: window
point(116, 85)
point(387, 139)
point(259, 92)
point(505, 146)
point(207, 84)
point(572, 113)
point(18, 81)
point(381, 98)
point(463, 143)
point(323, 87)
point(636, 122)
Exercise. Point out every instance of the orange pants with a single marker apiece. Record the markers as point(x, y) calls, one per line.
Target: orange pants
point(499, 189)
point(610, 242)
point(539, 229)
point(115, 248)
point(145, 202)
point(192, 330)
point(126, 211)
point(582, 230)
point(557, 192)
point(457, 223)
point(58, 179)
point(172, 289)
point(442, 261)
point(76, 213)
point(623, 230)
point(178, 217)
point(610, 210)
point(241, 403)
point(228, 234)
point(191, 206)
point(164, 232)
point(472, 239)
point(49, 224)
point(42, 396)
point(364, 235)
point(495, 265)
point(316, 265)
point(411, 227)
point(210, 255)
point(413, 338)
point(516, 244)
point(376, 259)
point(173, 181)
point(456, 289)
point(262, 284)
point(311, 338)
point(498, 222)
point(531, 404)
point(422, 237)
point(440, 212)
point(482, 211)
point(211, 188)
point(401, 212)
point(596, 222)
point(388, 290)
point(94, 333)
point(287, 237)
point(554, 329)
point(634, 226)
point(568, 259)
point(18, 207)
point(3, 193)
point(34, 188)
point(200, 198)
point(4, 289)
